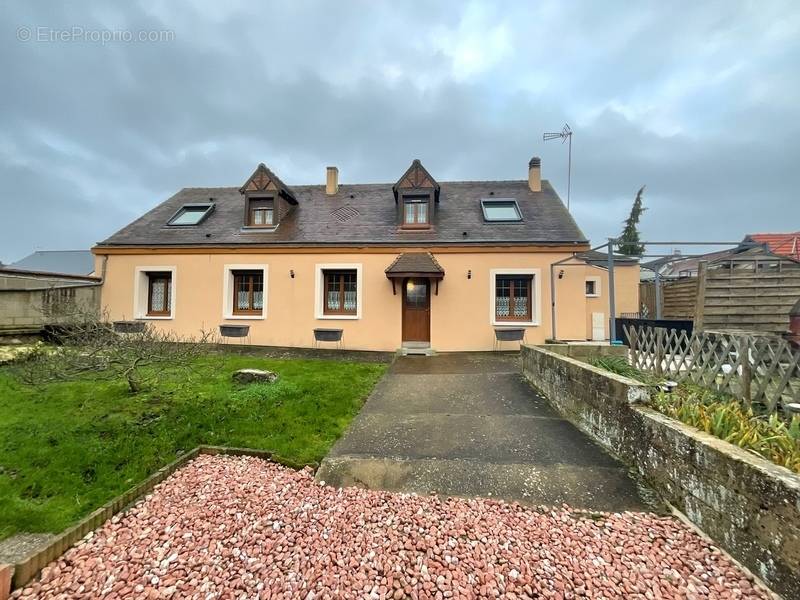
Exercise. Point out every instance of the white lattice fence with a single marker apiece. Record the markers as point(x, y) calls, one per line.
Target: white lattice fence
point(758, 369)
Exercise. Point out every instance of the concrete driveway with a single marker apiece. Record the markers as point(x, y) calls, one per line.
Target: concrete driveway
point(470, 425)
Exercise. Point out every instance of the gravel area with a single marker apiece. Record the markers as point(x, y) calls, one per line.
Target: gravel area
point(241, 527)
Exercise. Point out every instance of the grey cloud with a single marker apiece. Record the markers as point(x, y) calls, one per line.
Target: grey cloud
point(699, 103)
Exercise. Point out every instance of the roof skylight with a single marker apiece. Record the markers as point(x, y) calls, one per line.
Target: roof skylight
point(500, 209)
point(191, 214)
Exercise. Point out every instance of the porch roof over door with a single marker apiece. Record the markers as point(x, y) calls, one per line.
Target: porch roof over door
point(415, 264)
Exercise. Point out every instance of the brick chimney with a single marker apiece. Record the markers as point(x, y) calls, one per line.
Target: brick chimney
point(535, 174)
point(332, 181)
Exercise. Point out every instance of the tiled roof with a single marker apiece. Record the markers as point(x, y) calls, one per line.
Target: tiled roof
point(361, 214)
point(784, 244)
point(422, 263)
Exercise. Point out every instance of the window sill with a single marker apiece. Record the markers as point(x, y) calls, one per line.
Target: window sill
point(248, 228)
point(245, 317)
point(154, 318)
point(515, 324)
point(338, 317)
point(592, 295)
point(416, 228)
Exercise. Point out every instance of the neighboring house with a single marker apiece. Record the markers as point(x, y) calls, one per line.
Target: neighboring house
point(782, 244)
point(676, 266)
point(416, 263)
point(29, 300)
point(65, 262)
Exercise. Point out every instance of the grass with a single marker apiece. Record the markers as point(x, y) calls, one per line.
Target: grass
point(619, 366)
point(68, 447)
point(767, 435)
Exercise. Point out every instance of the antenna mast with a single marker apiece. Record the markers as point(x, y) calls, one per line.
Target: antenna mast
point(565, 135)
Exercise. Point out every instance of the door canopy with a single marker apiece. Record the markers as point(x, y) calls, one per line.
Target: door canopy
point(415, 264)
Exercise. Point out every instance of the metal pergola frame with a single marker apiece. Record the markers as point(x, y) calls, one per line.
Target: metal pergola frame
point(609, 247)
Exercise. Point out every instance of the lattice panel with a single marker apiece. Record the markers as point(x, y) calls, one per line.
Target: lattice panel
point(762, 370)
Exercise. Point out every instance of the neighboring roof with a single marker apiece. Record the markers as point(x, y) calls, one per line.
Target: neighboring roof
point(415, 263)
point(783, 244)
point(67, 262)
point(676, 265)
point(600, 259)
point(9, 272)
point(361, 214)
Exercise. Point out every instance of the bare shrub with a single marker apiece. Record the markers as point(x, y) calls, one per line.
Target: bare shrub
point(85, 341)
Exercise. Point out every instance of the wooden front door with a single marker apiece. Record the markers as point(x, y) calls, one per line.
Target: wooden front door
point(416, 310)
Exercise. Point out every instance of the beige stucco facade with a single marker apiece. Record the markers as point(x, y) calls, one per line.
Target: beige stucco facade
point(461, 314)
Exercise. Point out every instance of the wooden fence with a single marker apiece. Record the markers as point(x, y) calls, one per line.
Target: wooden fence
point(678, 298)
point(747, 294)
point(758, 369)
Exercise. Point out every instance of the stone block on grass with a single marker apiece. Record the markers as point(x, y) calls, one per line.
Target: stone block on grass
point(254, 376)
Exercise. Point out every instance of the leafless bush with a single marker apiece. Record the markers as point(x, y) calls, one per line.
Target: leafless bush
point(85, 341)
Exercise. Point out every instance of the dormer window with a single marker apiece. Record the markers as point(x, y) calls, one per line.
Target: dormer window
point(260, 212)
point(415, 211)
point(416, 194)
point(191, 214)
point(266, 199)
point(500, 209)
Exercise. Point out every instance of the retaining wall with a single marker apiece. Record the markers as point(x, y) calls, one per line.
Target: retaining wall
point(587, 351)
point(748, 505)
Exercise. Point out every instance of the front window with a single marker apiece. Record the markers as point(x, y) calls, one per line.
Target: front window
point(341, 292)
point(261, 212)
point(415, 210)
point(513, 297)
point(248, 292)
point(591, 287)
point(159, 294)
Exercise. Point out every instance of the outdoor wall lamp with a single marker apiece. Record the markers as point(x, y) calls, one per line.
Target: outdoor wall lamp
point(561, 274)
point(291, 273)
point(469, 274)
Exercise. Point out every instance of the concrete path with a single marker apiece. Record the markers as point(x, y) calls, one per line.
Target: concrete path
point(470, 425)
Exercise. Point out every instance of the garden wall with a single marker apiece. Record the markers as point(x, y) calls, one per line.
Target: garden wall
point(25, 309)
point(748, 505)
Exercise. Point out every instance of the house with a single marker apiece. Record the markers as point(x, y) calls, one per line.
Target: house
point(782, 244)
point(676, 265)
point(417, 263)
point(35, 287)
point(63, 262)
point(30, 299)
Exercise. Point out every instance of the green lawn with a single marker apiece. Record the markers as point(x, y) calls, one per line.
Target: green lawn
point(68, 447)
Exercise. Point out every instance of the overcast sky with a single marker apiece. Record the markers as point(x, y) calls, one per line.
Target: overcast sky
point(698, 101)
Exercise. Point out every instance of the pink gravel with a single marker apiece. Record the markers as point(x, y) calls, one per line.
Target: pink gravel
point(240, 527)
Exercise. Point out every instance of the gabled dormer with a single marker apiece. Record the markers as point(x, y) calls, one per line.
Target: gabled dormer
point(266, 199)
point(416, 194)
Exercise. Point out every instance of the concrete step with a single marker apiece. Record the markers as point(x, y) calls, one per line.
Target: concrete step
point(591, 488)
point(416, 351)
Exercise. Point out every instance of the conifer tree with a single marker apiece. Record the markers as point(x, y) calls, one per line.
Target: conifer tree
point(629, 240)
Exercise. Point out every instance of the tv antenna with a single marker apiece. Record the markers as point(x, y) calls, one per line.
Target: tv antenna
point(565, 135)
